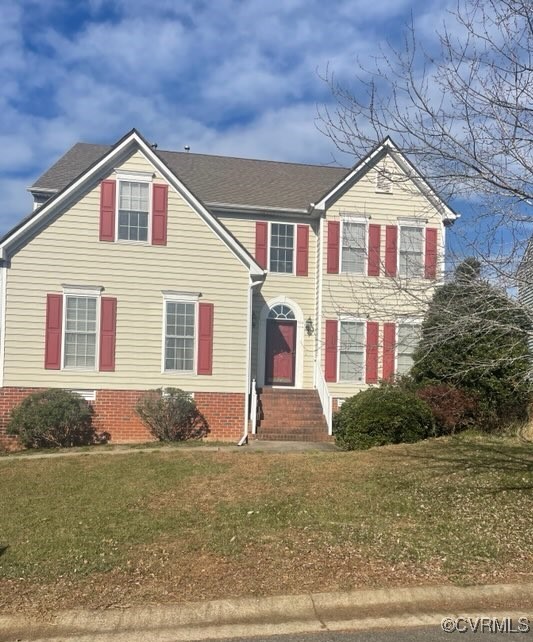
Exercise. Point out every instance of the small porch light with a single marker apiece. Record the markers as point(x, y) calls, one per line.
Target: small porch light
point(309, 326)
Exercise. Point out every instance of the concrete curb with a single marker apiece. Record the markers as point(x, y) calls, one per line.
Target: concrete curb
point(314, 612)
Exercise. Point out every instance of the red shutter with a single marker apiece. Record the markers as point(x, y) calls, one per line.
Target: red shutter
point(430, 271)
point(331, 351)
point(389, 350)
point(261, 243)
point(372, 329)
point(205, 338)
point(108, 331)
point(302, 250)
point(374, 242)
point(159, 214)
point(54, 322)
point(334, 233)
point(107, 210)
point(391, 250)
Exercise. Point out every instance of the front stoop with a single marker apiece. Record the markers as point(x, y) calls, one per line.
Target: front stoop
point(291, 415)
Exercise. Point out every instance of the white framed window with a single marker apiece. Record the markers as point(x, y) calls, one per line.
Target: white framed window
point(180, 332)
point(354, 246)
point(281, 248)
point(351, 350)
point(407, 339)
point(80, 334)
point(411, 251)
point(134, 206)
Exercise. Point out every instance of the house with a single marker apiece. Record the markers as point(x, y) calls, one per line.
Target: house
point(270, 291)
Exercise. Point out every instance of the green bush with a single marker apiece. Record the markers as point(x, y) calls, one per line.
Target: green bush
point(378, 416)
point(52, 418)
point(171, 414)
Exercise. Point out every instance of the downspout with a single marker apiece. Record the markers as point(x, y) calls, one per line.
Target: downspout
point(244, 439)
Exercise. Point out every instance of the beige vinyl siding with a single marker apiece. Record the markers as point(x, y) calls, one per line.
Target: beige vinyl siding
point(300, 289)
point(375, 298)
point(69, 252)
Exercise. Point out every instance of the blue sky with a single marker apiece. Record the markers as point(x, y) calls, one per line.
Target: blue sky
point(236, 77)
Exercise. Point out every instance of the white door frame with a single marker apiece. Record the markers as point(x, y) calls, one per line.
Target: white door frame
point(261, 344)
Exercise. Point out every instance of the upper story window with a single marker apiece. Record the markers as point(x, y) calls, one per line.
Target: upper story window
point(408, 338)
point(80, 332)
point(411, 251)
point(351, 351)
point(180, 332)
point(354, 250)
point(133, 211)
point(282, 248)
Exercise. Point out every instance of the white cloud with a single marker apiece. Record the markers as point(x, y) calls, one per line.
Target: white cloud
point(227, 77)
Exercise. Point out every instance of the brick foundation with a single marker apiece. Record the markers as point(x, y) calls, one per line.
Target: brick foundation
point(115, 414)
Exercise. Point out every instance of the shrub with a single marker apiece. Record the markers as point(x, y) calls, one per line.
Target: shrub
point(52, 418)
point(475, 338)
point(378, 416)
point(453, 409)
point(171, 415)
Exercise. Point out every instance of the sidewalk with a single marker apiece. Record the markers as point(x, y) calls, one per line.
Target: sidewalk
point(355, 610)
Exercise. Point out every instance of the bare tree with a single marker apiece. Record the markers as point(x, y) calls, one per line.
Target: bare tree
point(463, 114)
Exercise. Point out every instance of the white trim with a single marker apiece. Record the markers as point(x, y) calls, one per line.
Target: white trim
point(82, 290)
point(405, 165)
point(133, 176)
point(357, 221)
point(252, 209)
point(3, 303)
point(249, 343)
point(176, 298)
point(402, 321)
point(88, 294)
point(346, 318)
point(174, 295)
point(88, 395)
point(134, 139)
point(294, 241)
point(300, 337)
point(415, 225)
point(318, 325)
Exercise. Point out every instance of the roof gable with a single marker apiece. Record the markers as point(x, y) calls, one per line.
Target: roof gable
point(387, 147)
point(105, 164)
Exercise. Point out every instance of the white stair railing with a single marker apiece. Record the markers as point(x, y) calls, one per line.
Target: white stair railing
point(253, 407)
point(325, 397)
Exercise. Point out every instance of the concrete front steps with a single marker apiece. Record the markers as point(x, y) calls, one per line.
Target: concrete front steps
point(291, 415)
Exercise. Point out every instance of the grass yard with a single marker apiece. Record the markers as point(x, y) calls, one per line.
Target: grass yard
point(175, 525)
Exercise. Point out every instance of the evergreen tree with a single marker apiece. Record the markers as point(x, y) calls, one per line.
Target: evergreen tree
point(474, 337)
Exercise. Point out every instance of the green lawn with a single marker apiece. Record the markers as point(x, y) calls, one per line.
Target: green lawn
point(176, 525)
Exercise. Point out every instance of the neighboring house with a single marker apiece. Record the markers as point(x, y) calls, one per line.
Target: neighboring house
point(142, 268)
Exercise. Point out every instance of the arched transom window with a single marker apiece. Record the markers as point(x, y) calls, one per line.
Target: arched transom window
point(281, 312)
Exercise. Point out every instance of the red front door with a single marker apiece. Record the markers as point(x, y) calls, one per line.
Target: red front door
point(280, 352)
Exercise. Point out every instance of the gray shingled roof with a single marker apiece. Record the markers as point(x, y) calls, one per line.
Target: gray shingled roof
point(217, 179)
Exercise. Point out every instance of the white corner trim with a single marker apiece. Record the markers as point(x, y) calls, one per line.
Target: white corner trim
point(3, 302)
point(300, 336)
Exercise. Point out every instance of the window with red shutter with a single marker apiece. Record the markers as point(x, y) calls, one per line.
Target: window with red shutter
point(330, 373)
point(302, 250)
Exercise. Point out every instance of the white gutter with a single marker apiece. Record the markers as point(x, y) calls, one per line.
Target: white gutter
point(251, 209)
point(244, 439)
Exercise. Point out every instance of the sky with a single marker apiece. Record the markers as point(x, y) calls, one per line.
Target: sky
point(231, 77)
